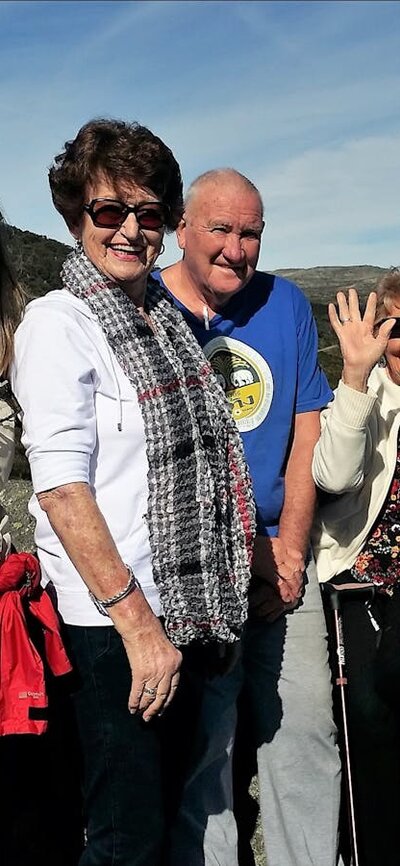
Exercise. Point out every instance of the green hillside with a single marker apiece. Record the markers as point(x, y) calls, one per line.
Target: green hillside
point(36, 259)
point(321, 284)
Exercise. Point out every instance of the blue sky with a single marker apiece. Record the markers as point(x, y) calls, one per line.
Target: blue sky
point(302, 97)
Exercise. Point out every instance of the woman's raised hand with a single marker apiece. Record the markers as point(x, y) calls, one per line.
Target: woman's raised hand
point(360, 347)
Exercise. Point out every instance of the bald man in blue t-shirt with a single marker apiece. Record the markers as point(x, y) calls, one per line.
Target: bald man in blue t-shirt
point(259, 334)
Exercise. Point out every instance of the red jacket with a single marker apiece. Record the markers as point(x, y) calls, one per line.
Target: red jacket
point(23, 698)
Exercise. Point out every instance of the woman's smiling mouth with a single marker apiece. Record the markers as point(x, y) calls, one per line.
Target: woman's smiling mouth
point(125, 252)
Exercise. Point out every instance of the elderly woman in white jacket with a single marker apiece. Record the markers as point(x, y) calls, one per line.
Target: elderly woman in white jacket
point(356, 536)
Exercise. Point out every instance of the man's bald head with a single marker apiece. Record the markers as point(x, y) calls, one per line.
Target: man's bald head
point(220, 235)
point(227, 178)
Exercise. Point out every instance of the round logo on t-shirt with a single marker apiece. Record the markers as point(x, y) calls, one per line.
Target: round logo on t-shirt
point(245, 377)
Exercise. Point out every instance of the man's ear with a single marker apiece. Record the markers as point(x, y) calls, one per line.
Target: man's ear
point(181, 233)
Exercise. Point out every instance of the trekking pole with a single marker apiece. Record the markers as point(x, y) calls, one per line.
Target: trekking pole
point(335, 592)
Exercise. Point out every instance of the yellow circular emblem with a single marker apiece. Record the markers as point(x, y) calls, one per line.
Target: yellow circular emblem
point(245, 377)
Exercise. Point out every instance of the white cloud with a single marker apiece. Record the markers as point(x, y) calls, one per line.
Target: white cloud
point(335, 206)
point(252, 129)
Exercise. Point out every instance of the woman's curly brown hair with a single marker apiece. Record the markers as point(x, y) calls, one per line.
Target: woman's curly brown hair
point(122, 152)
point(388, 294)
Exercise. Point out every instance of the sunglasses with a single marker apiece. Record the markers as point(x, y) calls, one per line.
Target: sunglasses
point(395, 332)
point(109, 213)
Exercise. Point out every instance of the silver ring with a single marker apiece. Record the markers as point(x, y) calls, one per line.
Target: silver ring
point(344, 321)
point(149, 691)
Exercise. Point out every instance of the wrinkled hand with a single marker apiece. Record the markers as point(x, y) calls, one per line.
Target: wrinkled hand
point(155, 665)
point(360, 347)
point(290, 569)
point(281, 565)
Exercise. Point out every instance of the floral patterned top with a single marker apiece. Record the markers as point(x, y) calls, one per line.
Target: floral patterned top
point(379, 561)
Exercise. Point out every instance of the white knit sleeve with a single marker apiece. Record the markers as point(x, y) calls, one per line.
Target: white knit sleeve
point(339, 455)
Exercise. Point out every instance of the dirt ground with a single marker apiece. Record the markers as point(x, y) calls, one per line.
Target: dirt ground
point(15, 499)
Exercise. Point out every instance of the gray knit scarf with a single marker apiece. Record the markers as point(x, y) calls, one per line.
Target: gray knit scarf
point(201, 515)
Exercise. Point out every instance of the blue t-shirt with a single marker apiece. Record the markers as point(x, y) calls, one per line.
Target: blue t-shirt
point(263, 347)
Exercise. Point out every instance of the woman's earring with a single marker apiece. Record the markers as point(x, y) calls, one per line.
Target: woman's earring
point(382, 361)
point(162, 249)
point(78, 246)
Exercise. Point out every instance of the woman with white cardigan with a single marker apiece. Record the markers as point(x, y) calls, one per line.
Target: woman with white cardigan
point(356, 536)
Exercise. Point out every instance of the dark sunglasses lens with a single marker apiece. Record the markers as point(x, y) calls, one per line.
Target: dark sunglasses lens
point(150, 218)
point(109, 215)
point(395, 332)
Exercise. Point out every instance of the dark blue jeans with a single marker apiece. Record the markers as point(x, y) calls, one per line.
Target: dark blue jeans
point(134, 772)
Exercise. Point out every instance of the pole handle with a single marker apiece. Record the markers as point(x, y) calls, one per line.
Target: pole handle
point(351, 589)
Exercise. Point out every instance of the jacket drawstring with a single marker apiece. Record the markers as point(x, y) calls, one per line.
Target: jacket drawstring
point(117, 386)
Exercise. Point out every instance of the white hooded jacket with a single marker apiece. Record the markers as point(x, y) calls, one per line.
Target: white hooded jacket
point(81, 423)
